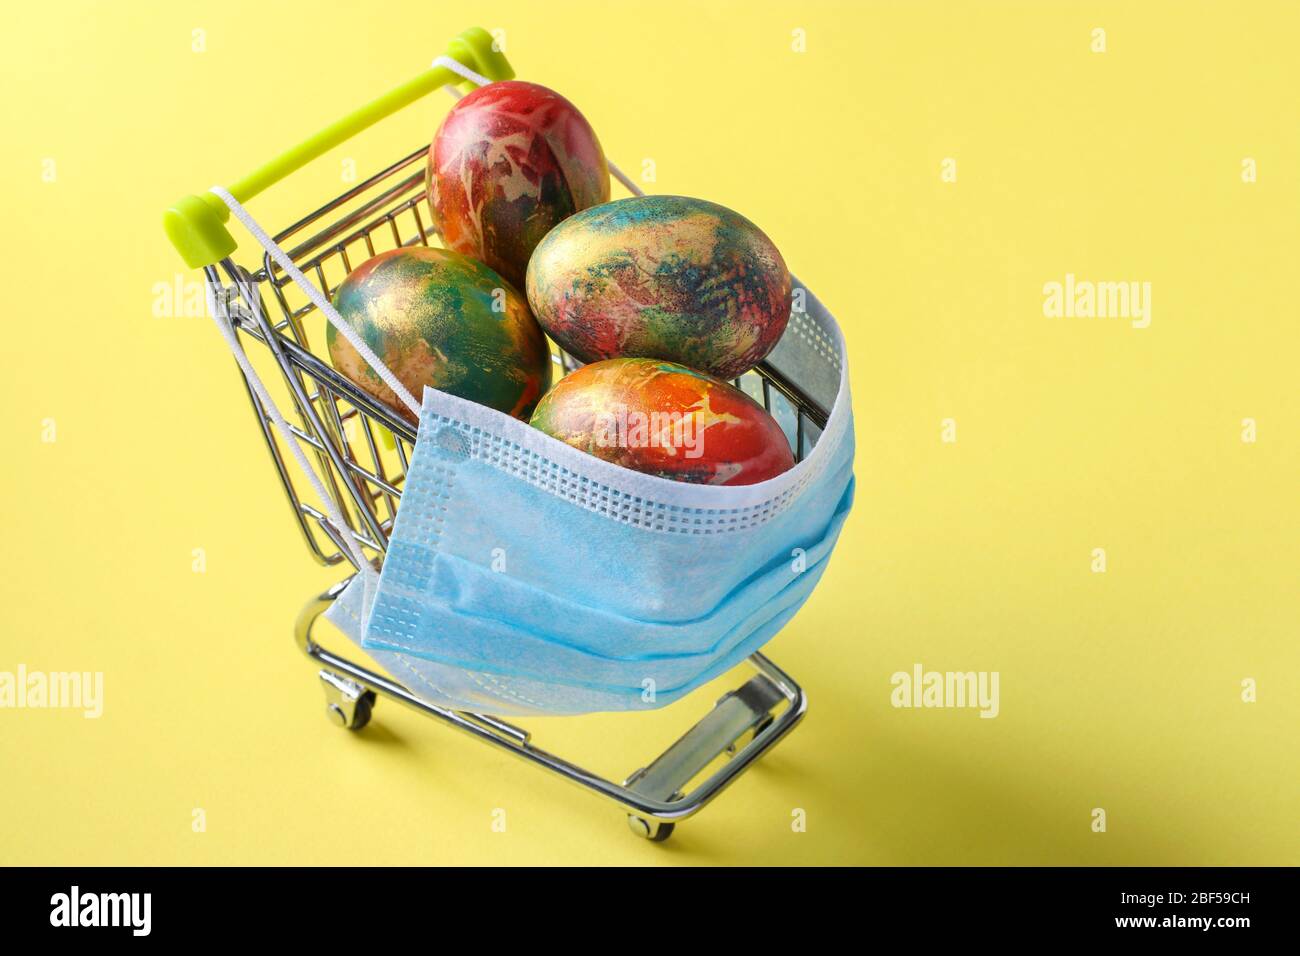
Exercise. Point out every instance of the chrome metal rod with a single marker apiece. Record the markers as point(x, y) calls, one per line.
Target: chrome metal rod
point(516, 741)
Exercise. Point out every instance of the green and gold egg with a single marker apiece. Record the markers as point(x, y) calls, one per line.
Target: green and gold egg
point(441, 319)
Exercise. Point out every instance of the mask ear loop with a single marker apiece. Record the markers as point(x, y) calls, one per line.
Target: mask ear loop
point(222, 319)
point(369, 576)
point(461, 70)
point(224, 325)
point(318, 299)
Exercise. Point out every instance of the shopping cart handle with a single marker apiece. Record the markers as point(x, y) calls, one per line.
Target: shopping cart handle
point(196, 224)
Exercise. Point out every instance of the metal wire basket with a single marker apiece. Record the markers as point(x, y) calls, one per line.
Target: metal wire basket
point(362, 448)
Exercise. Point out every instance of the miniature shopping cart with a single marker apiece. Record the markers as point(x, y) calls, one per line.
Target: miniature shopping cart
point(362, 447)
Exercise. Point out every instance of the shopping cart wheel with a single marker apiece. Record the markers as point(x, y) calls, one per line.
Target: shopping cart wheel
point(361, 713)
point(651, 830)
point(347, 703)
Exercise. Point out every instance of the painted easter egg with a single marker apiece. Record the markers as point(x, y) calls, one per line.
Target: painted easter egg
point(438, 318)
point(661, 277)
point(665, 419)
point(510, 161)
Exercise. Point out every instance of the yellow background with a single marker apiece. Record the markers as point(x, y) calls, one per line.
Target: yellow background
point(1119, 690)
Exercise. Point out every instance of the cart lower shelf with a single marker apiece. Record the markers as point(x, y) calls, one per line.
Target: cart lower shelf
point(743, 725)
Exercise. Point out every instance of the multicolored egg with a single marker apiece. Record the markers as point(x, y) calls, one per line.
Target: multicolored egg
point(438, 318)
point(665, 419)
point(661, 277)
point(510, 161)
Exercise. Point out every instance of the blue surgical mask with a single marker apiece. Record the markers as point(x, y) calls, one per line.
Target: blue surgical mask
point(524, 576)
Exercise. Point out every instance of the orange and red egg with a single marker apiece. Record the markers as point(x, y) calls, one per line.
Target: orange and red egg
point(665, 419)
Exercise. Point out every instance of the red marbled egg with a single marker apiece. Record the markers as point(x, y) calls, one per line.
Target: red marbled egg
point(665, 419)
point(510, 161)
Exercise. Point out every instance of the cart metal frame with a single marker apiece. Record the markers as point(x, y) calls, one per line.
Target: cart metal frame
point(363, 448)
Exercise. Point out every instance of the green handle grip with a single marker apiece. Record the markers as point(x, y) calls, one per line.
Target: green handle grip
point(196, 224)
